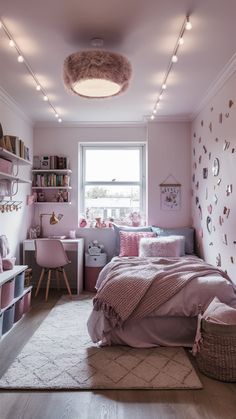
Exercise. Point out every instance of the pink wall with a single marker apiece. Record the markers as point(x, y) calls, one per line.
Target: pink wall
point(168, 148)
point(213, 136)
point(15, 224)
point(169, 154)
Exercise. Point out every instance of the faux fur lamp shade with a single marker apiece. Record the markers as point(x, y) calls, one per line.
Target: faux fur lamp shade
point(96, 73)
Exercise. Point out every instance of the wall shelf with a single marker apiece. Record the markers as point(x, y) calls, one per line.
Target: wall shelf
point(59, 171)
point(6, 176)
point(51, 187)
point(14, 158)
point(52, 202)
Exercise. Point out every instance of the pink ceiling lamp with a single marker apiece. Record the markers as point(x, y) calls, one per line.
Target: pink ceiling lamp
point(96, 73)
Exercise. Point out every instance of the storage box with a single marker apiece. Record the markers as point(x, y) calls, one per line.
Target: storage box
point(19, 309)
point(95, 260)
point(91, 276)
point(19, 284)
point(5, 166)
point(7, 292)
point(8, 319)
point(27, 301)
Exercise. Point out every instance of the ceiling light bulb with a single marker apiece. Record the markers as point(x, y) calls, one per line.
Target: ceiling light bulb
point(56, 115)
point(158, 105)
point(11, 43)
point(20, 59)
point(38, 87)
point(45, 98)
point(164, 86)
point(59, 120)
point(174, 59)
point(154, 111)
point(152, 117)
point(160, 97)
point(188, 25)
point(181, 40)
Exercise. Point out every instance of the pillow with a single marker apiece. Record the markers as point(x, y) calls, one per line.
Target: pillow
point(219, 312)
point(187, 232)
point(170, 246)
point(1, 268)
point(129, 242)
point(117, 230)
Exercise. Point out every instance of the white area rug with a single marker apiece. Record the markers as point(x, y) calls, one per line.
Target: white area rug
point(60, 355)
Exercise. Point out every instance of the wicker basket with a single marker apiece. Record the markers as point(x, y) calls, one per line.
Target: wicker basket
point(217, 355)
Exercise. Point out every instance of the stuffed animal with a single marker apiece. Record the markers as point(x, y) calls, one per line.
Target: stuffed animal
point(95, 248)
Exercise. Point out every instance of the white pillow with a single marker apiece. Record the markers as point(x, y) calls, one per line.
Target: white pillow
point(219, 312)
point(169, 246)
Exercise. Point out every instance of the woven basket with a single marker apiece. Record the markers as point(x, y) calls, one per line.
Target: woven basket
point(217, 355)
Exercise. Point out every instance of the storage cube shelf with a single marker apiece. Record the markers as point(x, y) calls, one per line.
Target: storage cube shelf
point(14, 298)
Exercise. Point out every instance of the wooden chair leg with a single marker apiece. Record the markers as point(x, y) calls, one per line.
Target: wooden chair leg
point(39, 283)
point(48, 284)
point(67, 282)
point(58, 280)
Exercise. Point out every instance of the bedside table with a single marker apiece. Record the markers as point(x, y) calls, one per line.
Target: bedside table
point(93, 266)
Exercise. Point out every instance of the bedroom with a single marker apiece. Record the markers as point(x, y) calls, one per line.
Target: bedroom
point(197, 112)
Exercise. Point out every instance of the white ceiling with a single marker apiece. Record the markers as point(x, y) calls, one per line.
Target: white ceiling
point(145, 31)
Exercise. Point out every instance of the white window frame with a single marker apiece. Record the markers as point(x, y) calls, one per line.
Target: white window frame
point(115, 146)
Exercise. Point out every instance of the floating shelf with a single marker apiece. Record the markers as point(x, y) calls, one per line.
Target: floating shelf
point(15, 159)
point(51, 187)
point(6, 176)
point(52, 202)
point(60, 171)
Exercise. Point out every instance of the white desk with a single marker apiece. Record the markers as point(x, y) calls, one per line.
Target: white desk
point(76, 245)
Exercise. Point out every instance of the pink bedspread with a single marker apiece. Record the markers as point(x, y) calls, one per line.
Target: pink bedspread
point(135, 287)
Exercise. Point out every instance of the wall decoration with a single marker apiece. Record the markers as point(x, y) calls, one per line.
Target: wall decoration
point(231, 103)
point(216, 139)
point(204, 148)
point(218, 181)
point(209, 224)
point(170, 194)
point(212, 109)
point(226, 145)
point(211, 244)
point(200, 159)
point(218, 260)
point(229, 189)
point(209, 156)
point(216, 167)
point(194, 152)
point(200, 211)
point(210, 126)
point(200, 139)
point(233, 150)
point(221, 220)
point(227, 115)
point(206, 193)
point(215, 199)
point(226, 211)
point(194, 135)
point(197, 185)
point(224, 239)
point(220, 118)
point(202, 123)
point(231, 259)
point(197, 200)
point(205, 172)
point(209, 209)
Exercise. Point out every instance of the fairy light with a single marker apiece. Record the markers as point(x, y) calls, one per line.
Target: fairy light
point(187, 25)
point(21, 59)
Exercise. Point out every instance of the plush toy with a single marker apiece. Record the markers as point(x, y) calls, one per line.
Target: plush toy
point(95, 248)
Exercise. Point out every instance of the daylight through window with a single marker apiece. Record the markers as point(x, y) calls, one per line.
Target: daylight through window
point(113, 184)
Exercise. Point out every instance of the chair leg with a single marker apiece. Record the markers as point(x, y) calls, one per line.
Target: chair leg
point(48, 284)
point(58, 280)
point(39, 283)
point(67, 282)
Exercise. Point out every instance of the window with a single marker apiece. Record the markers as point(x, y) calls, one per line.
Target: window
point(113, 182)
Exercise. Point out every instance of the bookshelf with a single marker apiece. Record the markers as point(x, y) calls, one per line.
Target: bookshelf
point(52, 186)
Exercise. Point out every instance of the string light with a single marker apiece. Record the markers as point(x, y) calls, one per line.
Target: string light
point(22, 59)
point(174, 58)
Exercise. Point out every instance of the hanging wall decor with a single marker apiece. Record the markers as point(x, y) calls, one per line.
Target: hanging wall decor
point(170, 194)
point(220, 118)
point(231, 103)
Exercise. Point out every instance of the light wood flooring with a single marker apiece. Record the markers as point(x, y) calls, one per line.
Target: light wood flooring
point(216, 400)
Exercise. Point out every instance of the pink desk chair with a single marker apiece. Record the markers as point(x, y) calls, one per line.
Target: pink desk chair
point(51, 256)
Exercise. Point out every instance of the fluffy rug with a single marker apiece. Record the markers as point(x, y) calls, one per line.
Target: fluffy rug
point(60, 355)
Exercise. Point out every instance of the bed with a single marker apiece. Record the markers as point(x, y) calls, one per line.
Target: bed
point(146, 301)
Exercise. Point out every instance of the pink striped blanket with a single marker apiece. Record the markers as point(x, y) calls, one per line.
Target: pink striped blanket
point(134, 287)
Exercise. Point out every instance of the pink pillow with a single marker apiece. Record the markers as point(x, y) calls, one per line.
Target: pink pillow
point(219, 312)
point(129, 242)
point(170, 246)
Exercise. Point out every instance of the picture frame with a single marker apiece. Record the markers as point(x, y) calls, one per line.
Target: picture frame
point(170, 195)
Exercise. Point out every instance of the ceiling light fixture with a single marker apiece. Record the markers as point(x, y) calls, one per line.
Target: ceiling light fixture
point(22, 59)
point(96, 73)
point(174, 58)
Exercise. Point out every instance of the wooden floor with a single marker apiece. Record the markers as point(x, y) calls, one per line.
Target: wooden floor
point(217, 400)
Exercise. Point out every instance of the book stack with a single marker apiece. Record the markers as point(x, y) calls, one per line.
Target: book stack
point(15, 145)
point(51, 162)
point(50, 180)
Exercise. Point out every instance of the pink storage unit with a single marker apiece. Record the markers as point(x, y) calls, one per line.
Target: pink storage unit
point(7, 293)
point(19, 284)
point(19, 309)
point(27, 301)
point(5, 166)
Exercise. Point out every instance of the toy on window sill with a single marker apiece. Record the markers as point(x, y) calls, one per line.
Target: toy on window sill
point(135, 218)
point(95, 248)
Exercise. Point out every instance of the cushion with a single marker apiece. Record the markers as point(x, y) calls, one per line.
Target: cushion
point(129, 242)
point(187, 232)
point(117, 230)
point(171, 246)
point(8, 263)
point(1, 268)
point(219, 312)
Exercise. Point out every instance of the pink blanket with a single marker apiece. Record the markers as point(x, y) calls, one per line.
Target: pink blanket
point(135, 287)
